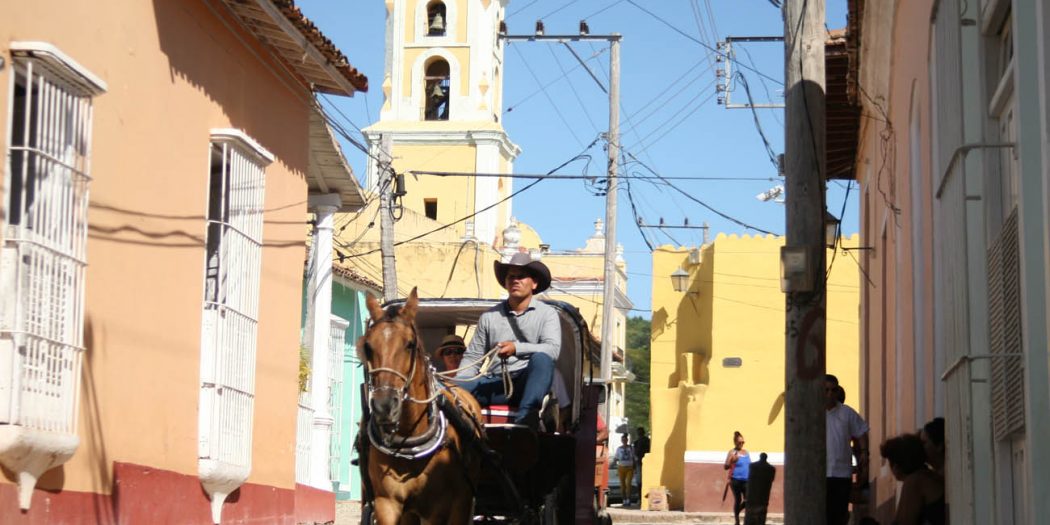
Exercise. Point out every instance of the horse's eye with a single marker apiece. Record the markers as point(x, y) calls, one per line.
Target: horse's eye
point(411, 345)
point(368, 351)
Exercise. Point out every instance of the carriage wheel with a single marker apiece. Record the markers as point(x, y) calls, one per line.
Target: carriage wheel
point(549, 511)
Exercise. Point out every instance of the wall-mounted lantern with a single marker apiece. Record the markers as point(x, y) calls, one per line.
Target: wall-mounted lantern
point(831, 229)
point(680, 280)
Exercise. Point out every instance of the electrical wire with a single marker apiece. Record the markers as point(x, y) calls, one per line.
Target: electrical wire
point(681, 120)
point(758, 123)
point(572, 86)
point(541, 89)
point(580, 156)
point(547, 95)
point(698, 201)
point(690, 37)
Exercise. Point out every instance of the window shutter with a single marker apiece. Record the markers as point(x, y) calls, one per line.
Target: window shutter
point(1004, 308)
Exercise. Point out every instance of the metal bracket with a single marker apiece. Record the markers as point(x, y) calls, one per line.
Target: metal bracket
point(973, 357)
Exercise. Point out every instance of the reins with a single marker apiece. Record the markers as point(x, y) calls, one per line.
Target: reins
point(487, 363)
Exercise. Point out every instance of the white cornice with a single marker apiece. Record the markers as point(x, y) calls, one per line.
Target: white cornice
point(420, 136)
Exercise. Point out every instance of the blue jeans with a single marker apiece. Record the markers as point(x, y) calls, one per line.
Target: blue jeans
point(530, 385)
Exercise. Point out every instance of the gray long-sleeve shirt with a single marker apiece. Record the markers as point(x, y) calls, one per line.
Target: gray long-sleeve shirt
point(538, 323)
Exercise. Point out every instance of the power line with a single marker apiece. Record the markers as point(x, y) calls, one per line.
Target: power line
point(573, 177)
point(543, 87)
point(698, 201)
point(573, 88)
point(758, 123)
point(681, 120)
point(690, 37)
point(579, 156)
point(554, 106)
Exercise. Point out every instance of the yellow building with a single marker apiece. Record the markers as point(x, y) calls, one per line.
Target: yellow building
point(443, 90)
point(442, 112)
point(717, 361)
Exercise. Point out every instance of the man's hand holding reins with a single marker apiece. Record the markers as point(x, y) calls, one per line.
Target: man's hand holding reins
point(506, 349)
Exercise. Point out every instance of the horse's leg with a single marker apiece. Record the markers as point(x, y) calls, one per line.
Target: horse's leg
point(388, 511)
point(462, 512)
point(409, 518)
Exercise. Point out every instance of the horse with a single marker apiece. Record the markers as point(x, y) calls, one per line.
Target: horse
point(420, 466)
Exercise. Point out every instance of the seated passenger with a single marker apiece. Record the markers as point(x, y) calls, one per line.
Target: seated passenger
point(526, 334)
point(450, 352)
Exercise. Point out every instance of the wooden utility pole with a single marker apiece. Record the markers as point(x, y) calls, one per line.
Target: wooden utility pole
point(805, 358)
point(386, 221)
point(609, 284)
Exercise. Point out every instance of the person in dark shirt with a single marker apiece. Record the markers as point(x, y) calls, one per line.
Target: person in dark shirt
point(759, 484)
point(921, 500)
point(641, 448)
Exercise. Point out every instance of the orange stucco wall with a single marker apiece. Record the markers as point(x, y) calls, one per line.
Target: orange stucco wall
point(174, 71)
point(897, 305)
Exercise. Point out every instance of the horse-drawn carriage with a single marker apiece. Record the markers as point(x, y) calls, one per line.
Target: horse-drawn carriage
point(462, 464)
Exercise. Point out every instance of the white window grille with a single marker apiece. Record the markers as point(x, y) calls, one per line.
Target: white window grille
point(231, 302)
point(303, 426)
point(335, 391)
point(43, 254)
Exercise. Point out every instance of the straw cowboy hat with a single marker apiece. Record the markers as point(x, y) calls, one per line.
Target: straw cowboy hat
point(451, 341)
point(537, 270)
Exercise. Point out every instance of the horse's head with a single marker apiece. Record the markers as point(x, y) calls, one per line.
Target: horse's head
point(391, 348)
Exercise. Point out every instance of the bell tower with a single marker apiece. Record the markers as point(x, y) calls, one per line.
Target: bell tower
point(443, 89)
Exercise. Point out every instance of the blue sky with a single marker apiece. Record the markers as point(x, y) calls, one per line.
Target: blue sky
point(669, 116)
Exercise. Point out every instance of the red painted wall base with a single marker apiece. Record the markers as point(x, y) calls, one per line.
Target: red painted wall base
point(147, 495)
point(704, 483)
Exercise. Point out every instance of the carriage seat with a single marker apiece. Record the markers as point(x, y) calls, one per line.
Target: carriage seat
point(550, 412)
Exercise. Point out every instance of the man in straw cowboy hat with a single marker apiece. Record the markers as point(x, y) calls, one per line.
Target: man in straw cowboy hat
point(525, 333)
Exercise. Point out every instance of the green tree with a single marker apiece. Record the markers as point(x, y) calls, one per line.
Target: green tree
point(637, 404)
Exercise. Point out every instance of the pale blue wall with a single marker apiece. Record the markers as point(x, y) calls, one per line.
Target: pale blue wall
point(349, 304)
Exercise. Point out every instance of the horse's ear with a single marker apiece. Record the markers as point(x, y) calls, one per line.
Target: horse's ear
point(408, 313)
point(374, 308)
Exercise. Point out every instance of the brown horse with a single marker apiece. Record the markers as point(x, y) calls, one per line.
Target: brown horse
point(420, 468)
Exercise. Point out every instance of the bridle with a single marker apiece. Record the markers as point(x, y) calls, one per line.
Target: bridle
point(410, 447)
point(402, 392)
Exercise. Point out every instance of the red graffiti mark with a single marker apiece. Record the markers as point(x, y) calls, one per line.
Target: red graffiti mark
point(810, 354)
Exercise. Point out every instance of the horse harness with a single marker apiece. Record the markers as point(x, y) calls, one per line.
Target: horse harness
point(410, 447)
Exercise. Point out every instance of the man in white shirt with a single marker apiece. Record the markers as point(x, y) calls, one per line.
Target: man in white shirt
point(843, 424)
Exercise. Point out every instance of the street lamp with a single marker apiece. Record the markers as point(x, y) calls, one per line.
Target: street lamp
point(680, 280)
point(831, 229)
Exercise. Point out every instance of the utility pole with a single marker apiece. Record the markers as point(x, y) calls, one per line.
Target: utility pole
point(386, 221)
point(609, 284)
point(805, 357)
point(613, 138)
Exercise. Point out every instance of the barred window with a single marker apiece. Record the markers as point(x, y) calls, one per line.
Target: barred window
point(43, 253)
point(231, 298)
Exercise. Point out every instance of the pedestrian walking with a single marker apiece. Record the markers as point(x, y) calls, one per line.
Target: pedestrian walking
point(641, 448)
point(625, 461)
point(759, 485)
point(843, 424)
point(738, 464)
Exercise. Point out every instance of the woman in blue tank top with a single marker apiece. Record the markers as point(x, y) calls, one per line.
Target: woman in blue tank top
point(738, 463)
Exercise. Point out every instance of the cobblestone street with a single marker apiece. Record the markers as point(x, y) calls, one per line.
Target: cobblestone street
point(348, 513)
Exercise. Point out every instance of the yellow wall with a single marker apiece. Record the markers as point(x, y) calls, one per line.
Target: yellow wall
point(737, 311)
point(426, 265)
point(455, 195)
point(174, 71)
